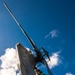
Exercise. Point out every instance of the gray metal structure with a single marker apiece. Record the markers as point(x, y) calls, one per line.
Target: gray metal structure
point(39, 56)
point(27, 60)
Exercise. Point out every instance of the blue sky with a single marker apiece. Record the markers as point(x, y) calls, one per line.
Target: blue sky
point(50, 23)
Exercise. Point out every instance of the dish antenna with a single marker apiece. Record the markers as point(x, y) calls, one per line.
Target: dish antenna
point(39, 55)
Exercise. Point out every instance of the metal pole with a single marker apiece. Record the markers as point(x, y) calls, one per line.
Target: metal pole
point(24, 32)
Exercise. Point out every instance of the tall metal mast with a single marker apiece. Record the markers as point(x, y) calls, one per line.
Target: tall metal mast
point(39, 56)
point(24, 32)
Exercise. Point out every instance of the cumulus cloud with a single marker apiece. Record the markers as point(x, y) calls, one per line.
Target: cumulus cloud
point(69, 73)
point(55, 60)
point(9, 71)
point(9, 61)
point(53, 34)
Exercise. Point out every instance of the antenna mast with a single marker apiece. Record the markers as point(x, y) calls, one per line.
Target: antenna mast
point(39, 56)
point(24, 32)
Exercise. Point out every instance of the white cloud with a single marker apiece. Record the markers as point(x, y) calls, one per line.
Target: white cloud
point(9, 63)
point(69, 73)
point(55, 60)
point(9, 71)
point(53, 34)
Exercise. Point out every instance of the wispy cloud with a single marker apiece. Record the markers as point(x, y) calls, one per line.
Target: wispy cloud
point(53, 34)
point(69, 73)
point(55, 60)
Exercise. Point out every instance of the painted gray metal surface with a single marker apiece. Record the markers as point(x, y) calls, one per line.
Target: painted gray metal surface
point(26, 60)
